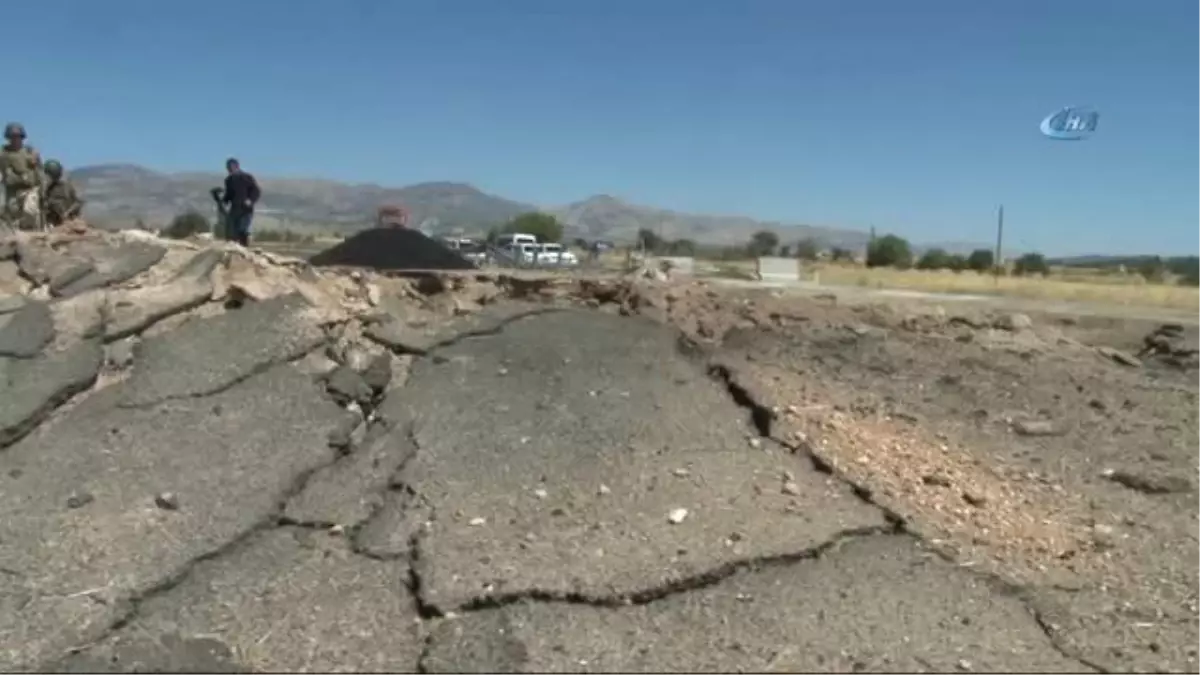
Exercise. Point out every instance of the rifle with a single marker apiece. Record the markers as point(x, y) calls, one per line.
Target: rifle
point(221, 229)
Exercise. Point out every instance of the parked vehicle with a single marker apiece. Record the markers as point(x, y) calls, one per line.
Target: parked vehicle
point(556, 254)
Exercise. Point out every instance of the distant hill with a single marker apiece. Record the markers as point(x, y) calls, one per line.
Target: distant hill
point(120, 195)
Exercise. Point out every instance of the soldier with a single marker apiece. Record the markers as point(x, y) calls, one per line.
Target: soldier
point(22, 177)
point(62, 199)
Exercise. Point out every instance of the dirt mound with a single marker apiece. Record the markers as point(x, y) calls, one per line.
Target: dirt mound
point(391, 249)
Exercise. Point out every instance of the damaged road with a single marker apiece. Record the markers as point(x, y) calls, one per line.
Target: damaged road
point(267, 468)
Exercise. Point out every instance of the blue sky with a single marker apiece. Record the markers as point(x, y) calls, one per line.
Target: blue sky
point(917, 117)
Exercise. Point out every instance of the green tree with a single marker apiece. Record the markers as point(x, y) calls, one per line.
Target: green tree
point(683, 247)
point(934, 259)
point(1153, 269)
point(956, 262)
point(839, 253)
point(1031, 263)
point(763, 243)
point(807, 249)
point(889, 251)
point(544, 226)
point(187, 224)
point(981, 260)
point(649, 240)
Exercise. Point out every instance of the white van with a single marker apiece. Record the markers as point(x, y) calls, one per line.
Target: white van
point(514, 240)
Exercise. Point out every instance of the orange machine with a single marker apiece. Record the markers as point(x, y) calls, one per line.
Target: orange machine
point(392, 215)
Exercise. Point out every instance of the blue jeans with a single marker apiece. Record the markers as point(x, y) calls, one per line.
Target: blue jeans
point(237, 227)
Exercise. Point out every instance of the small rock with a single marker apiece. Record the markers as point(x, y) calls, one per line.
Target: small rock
point(477, 521)
point(378, 373)
point(79, 500)
point(337, 530)
point(790, 488)
point(1037, 428)
point(119, 354)
point(502, 371)
point(604, 490)
point(347, 386)
point(1150, 483)
point(964, 664)
point(677, 516)
point(1123, 358)
point(755, 443)
point(975, 499)
point(1013, 322)
point(681, 473)
point(540, 493)
point(168, 501)
point(936, 480)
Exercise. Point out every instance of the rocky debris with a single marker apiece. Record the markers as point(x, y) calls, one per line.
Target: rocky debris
point(392, 249)
point(31, 388)
point(25, 332)
point(167, 501)
point(1170, 344)
point(1150, 483)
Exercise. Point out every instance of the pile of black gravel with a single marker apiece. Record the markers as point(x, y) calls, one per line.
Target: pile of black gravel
point(391, 249)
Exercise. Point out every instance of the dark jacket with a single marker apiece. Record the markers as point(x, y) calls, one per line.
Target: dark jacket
point(239, 187)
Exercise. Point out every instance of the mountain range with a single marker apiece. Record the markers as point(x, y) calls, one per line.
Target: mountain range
point(123, 195)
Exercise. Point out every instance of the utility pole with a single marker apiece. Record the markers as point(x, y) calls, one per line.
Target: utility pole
point(999, 244)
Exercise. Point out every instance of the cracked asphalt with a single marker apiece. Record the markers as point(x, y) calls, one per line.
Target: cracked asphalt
point(530, 489)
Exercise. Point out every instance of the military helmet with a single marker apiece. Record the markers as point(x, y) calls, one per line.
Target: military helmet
point(53, 168)
point(14, 129)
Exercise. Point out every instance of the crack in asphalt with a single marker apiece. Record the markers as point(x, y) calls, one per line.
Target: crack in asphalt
point(466, 334)
point(254, 371)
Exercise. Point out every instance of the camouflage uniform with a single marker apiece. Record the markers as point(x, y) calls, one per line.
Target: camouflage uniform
point(62, 200)
point(21, 169)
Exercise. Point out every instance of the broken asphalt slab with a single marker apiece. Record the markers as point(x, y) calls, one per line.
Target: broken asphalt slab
point(208, 355)
point(285, 600)
point(81, 534)
point(134, 310)
point(405, 337)
point(351, 490)
point(556, 456)
point(875, 603)
point(30, 389)
point(25, 332)
point(112, 265)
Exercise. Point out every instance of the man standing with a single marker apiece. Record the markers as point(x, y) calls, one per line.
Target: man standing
point(62, 202)
point(241, 194)
point(21, 168)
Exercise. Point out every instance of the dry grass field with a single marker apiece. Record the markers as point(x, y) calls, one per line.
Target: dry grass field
point(1075, 287)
